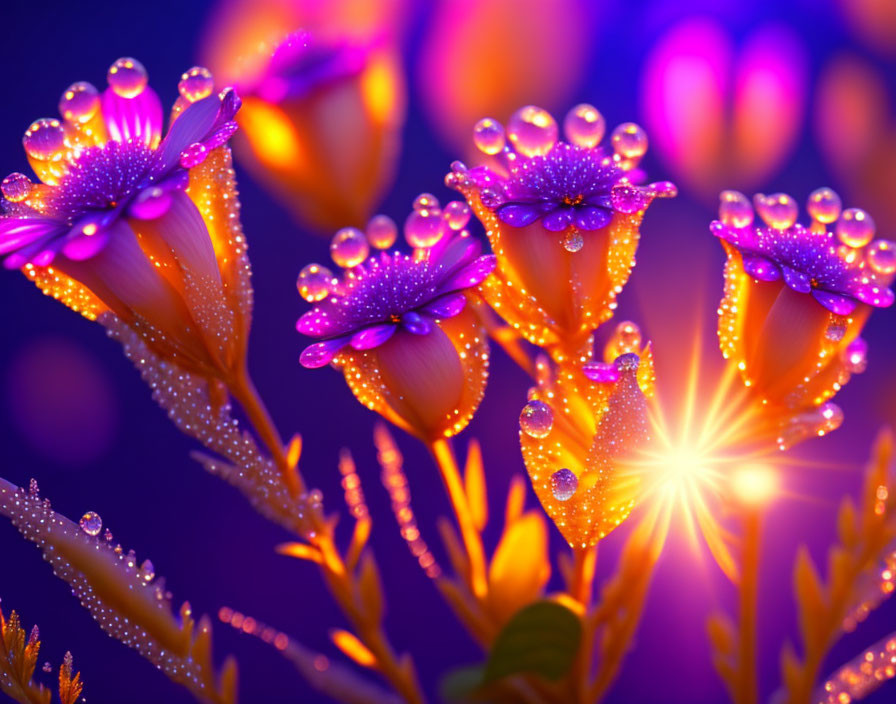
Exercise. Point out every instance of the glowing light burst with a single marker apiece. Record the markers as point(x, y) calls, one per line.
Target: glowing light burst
point(701, 447)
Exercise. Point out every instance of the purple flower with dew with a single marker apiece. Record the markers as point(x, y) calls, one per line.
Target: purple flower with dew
point(569, 185)
point(303, 61)
point(808, 261)
point(94, 182)
point(392, 291)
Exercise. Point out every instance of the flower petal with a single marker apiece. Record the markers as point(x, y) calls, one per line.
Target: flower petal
point(796, 280)
point(557, 219)
point(592, 218)
point(835, 302)
point(371, 337)
point(446, 306)
point(519, 214)
point(20, 232)
point(601, 372)
point(416, 323)
point(320, 354)
point(761, 268)
point(191, 126)
point(471, 275)
point(137, 119)
point(875, 295)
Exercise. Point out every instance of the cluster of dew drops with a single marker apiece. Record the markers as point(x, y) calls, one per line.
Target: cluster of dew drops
point(424, 227)
point(48, 139)
point(853, 227)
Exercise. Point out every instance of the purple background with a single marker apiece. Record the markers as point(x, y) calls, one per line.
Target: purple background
point(76, 416)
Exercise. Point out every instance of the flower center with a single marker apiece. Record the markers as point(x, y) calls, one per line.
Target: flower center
point(395, 318)
point(577, 200)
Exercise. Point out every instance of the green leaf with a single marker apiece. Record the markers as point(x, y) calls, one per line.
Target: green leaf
point(460, 685)
point(541, 639)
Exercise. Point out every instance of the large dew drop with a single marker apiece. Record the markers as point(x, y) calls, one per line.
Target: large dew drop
point(584, 126)
point(79, 102)
point(91, 523)
point(16, 187)
point(564, 483)
point(824, 205)
point(196, 84)
point(488, 136)
point(127, 77)
point(532, 131)
point(536, 419)
point(855, 228)
point(381, 231)
point(314, 282)
point(349, 247)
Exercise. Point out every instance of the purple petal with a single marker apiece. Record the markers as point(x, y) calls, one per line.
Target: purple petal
point(221, 135)
point(315, 322)
point(591, 218)
point(471, 275)
point(373, 337)
point(557, 219)
point(191, 126)
point(601, 372)
point(835, 302)
point(154, 201)
point(519, 214)
point(82, 246)
point(137, 119)
point(796, 280)
point(416, 323)
point(446, 306)
point(19, 232)
point(874, 295)
point(761, 268)
point(321, 354)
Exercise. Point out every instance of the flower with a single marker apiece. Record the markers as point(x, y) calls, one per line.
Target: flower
point(579, 431)
point(321, 125)
point(135, 224)
point(796, 299)
point(562, 218)
point(399, 325)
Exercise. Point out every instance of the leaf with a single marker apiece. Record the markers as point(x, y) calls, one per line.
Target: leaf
point(460, 685)
point(541, 639)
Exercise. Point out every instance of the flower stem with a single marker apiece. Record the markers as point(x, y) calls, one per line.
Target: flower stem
point(243, 390)
point(747, 689)
point(444, 456)
point(581, 588)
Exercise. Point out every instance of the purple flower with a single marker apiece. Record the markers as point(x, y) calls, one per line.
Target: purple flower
point(393, 291)
point(808, 261)
point(91, 182)
point(570, 185)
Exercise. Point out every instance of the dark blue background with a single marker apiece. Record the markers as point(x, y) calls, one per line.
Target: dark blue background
point(214, 550)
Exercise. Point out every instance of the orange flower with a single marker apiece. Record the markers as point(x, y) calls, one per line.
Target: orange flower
point(562, 218)
point(135, 225)
point(796, 300)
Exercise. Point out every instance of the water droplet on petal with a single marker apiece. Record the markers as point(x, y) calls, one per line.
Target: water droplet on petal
point(778, 210)
point(824, 205)
point(835, 332)
point(426, 201)
point(488, 136)
point(423, 228)
point(564, 483)
point(855, 356)
point(381, 231)
point(536, 419)
point(584, 126)
point(79, 102)
point(629, 141)
point(45, 139)
point(627, 198)
point(573, 241)
point(196, 84)
point(625, 338)
point(91, 523)
point(16, 187)
point(147, 571)
point(127, 77)
point(314, 282)
point(457, 214)
point(532, 131)
point(349, 247)
point(193, 155)
point(881, 256)
point(855, 228)
point(33, 488)
point(735, 209)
